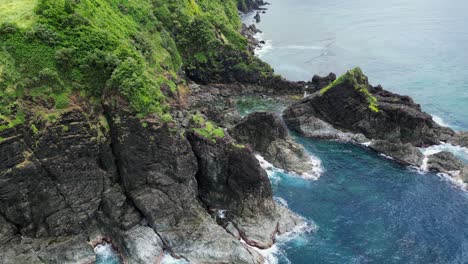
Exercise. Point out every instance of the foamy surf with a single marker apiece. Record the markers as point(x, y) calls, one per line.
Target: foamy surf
point(440, 121)
point(273, 171)
point(276, 253)
point(169, 259)
point(458, 151)
point(263, 49)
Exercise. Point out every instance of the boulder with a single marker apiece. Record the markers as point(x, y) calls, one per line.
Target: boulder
point(460, 139)
point(268, 135)
point(403, 153)
point(444, 162)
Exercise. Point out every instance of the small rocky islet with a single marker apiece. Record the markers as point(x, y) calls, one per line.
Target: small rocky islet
point(189, 185)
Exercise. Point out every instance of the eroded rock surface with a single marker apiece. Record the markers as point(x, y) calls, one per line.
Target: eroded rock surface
point(268, 135)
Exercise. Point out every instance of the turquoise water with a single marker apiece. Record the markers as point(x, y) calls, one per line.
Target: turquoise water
point(368, 209)
point(413, 47)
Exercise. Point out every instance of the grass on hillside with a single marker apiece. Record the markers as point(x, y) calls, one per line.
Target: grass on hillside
point(20, 12)
point(358, 80)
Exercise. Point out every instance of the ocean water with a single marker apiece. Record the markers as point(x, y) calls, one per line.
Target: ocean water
point(364, 208)
point(413, 47)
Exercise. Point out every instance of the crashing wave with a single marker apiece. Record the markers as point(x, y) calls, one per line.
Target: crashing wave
point(274, 254)
point(105, 253)
point(263, 49)
point(273, 171)
point(169, 259)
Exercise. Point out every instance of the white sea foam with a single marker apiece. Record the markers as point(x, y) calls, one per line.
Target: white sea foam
point(440, 121)
point(280, 201)
point(168, 259)
point(458, 151)
point(272, 171)
point(263, 49)
point(273, 254)
point(105, 251)
point(366, 144)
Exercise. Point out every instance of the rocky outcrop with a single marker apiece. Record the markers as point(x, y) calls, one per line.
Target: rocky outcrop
point(403, 153)
point(51, 175)
point(444, 162)
point(157, 168)
point(460, 139)
point(350, 104)
point(349, 109)
point(95, 174)
point(249, 5)
point(268, 135)
point(231, 181)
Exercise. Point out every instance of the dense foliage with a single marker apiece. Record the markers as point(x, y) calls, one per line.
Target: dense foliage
point(54, 48)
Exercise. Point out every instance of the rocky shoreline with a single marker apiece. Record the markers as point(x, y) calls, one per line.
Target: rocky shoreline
point(191, 186)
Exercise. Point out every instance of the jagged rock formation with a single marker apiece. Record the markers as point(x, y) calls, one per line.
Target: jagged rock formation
point(103, 173)
point(352, 105)
point(268, 135)
point(349, 109)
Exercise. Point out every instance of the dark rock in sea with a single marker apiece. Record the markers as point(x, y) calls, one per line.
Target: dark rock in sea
point(352, 105)
point(444, 162)
point(257, 18)
point(268, 135)
point(403, 153)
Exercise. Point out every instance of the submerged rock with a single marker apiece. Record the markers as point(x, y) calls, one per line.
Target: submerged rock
point(404, 153)
point(444, 162)
point(268, 135)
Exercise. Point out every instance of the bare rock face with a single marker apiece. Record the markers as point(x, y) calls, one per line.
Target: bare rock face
point(231, 181)
point(268, 135)
point(51, 179)
point(403, 153)
point(157, 167)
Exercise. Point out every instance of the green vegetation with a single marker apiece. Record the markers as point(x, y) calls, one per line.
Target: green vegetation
point(358, 80)
point(20, 12)
point(51, 49)
point(207, 129)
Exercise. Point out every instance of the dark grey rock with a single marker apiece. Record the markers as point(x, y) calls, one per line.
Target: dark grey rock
point(404, 153)
point(444, 162)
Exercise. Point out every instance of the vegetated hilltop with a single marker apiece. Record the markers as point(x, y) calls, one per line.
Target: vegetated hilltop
point(142, 49)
